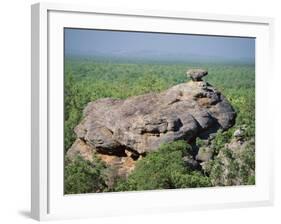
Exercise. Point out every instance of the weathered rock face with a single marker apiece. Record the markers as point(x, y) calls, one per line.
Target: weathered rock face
point(196, 74)
point(128, 129)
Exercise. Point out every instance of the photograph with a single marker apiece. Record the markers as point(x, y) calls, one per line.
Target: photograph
point(155, 111)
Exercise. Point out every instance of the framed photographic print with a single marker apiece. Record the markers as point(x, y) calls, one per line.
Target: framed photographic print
point(148, 111)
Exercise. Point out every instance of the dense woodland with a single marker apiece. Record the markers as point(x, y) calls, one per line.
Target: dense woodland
point(90, 79)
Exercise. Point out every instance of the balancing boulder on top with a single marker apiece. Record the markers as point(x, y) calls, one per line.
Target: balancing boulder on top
point(196, 74)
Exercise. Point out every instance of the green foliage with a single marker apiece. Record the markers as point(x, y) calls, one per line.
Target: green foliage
point(251, 180)
point(232, 168)
point(83, 176)
point(221, 139)
point(247, 168)
point(215, 170)
point(192, 179)
point(75, 100)
point(164, 169)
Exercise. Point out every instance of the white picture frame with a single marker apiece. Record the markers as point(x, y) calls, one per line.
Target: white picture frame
point(47, 198)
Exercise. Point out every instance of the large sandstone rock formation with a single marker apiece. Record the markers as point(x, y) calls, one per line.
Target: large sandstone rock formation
point(122, 131)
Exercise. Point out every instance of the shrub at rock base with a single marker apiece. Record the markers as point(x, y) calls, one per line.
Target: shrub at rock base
point(83, 176)
point(164, 169)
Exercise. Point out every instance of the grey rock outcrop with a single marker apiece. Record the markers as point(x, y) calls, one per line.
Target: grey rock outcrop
point(239, 134)
point(205, 154)
point(196, 74)
point(135, 126)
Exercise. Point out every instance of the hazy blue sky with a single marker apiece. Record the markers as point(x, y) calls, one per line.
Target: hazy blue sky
point(116, 43)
